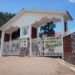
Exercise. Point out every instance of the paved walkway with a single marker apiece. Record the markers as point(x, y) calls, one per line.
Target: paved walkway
point(32, 66)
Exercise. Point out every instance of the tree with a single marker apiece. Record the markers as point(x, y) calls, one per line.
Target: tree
point(48, 29)
point(4, 17)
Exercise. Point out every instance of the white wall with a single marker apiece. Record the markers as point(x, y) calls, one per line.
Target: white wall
point(30, 18)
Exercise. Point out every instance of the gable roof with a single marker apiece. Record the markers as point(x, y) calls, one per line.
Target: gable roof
point(63, 13)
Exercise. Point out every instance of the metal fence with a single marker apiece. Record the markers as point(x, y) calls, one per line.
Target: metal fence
point(15, 48)
point(51, 46)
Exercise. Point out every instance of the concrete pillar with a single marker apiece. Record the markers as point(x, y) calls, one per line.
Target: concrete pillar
point(63, 26)
point(37, 34)
point(30, 33)
point(2, 43)
point(10, 42)
point(30, 46)
point(63, 31)
point(21, 32)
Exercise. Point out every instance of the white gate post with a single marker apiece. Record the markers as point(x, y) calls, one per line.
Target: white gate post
point(10, 42)
point(63, 31)
point(41, 47)
point(30, 46)
point(30, 31)
point(2, 43)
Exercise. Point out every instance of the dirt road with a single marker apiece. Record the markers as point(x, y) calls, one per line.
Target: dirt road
point(32, 66)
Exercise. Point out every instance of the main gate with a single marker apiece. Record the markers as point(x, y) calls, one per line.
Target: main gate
point(15, 48)
point(51, 46)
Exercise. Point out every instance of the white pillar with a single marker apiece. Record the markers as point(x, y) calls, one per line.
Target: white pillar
point(10, 42)
point(63, 31)
point(30, 46)
point(2, 43)
point(21, 31)
point(30, 33)
point(37, 33)
point(41, 47)
point(63, 28)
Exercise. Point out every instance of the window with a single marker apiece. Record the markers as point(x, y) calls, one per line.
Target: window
point(24, 43)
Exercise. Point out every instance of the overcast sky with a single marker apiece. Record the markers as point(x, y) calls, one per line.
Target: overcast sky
point(14, 6)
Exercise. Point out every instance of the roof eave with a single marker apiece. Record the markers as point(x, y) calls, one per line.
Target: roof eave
point(69, 15)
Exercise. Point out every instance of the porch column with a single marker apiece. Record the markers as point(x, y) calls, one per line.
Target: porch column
point(37, 34)
point(63, 25)
point(30, 46)
point(30, 31)
point(63, 31)
point(2, 43)
point(10, 42)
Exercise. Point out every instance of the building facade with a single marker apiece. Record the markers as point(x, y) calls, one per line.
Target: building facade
point(27, 21)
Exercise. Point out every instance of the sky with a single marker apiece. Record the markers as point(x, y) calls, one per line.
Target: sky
point(15, 6)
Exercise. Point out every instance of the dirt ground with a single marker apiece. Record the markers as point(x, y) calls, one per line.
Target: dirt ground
point(32, 66)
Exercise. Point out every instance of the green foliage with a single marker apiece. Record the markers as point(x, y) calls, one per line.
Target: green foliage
point(4, 17)
point(48, 29)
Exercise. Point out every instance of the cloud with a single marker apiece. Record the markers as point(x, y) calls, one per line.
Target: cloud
point(72, 1)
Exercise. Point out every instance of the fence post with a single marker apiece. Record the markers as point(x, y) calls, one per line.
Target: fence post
point(30, 46)
point(10, 44)
point(40, 47)
point(2, 43)
point(62, 24)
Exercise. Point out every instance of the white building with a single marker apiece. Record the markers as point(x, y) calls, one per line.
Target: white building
point(28, 21)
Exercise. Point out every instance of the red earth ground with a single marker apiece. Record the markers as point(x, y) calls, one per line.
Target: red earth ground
point(32, 66)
